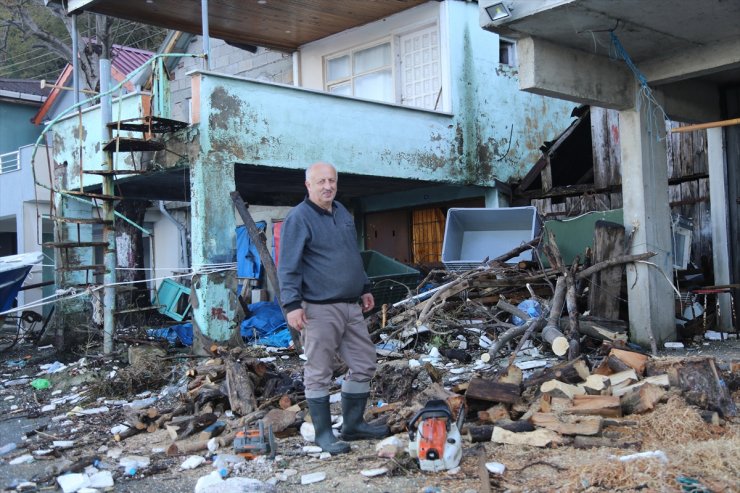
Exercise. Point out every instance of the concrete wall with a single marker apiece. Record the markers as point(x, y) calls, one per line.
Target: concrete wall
point(263, 65)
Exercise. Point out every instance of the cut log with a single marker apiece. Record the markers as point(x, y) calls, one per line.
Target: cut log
point(636, 361)
point(603, 329)
point(642, 399)
point(629, 376)
point(596, 384)
point(557, 341)
point(494, 413)
point(128, 432)
point(597, 405)
point(568, 425)
point(279, 419)
point(537, 438)
point(484, 433)
point(568, 371)
point(190, 447)
point(606, 285)
point(591, 442)
point(487, 390)
point(659, 380)
point(240, 389)
point(616, 365)
point(556, 388)
point(192, 424)
point(512, 375)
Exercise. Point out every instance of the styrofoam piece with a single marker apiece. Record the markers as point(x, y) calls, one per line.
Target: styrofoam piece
point(314, 477)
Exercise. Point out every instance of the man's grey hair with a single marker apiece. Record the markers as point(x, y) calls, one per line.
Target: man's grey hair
point(310, 168)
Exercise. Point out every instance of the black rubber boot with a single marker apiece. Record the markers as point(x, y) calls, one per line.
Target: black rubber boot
point(353, 425)
point(321, 418)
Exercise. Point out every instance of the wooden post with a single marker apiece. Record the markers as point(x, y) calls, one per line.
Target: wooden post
point(605, 288)
point(265, 258)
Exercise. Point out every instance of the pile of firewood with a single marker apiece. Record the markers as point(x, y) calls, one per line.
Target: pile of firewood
point(231, 381)
point(568, 403)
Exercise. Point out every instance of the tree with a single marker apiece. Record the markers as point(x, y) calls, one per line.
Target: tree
point(27, 25)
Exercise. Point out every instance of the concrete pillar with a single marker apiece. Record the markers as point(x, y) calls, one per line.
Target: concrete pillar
point(495, 198)
point(646, 210)
point(720, 221)
point(213, 290)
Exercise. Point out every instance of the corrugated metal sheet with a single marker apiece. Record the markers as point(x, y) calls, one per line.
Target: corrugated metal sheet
point(127, 59)
point(24, 86)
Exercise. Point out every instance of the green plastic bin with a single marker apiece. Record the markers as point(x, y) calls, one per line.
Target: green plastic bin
point(391, 280)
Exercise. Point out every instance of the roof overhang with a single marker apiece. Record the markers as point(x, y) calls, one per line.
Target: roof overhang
point(278, 24)
point(696, 44)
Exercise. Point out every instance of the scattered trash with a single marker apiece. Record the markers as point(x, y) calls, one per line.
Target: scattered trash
point(495, 467)
point(314, 477)
point(192, 462)
point(371, 473)
point(7, 448)
point(22, 459)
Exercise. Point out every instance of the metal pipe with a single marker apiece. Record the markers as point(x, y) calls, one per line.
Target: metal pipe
point(206, 38)
point(75, 61)
point(109, 232)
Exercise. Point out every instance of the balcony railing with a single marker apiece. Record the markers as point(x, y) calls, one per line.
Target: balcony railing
point(9, 162)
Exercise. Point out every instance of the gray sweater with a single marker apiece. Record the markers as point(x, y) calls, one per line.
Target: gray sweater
point(319, 260)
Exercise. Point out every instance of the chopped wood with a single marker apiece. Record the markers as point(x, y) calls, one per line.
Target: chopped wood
point(596, 384)
point(617, 365)
point(192, 424)
point(128, 432)
point(556, 388)
point(239, 389)
point(279, 419)
point(190, 447)
point(376, 411)
point(557, 341)
point(710, 417)
point(660, 380)
point(538, 438)
point(598, 405)
point(568, 371)
point(485, 432)
point(600, 331)
point(568, 425)
point(494, 413)
point(634, 360)
point(487, 390)
point(642, 399)
point(285, 402)
point(623, 376)
point(513, 374)
point(591, 442)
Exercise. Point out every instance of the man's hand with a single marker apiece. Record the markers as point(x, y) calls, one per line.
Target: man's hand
point(368, 302)
point(297, 319)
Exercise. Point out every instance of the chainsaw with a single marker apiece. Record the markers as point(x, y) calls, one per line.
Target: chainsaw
point(251, 442)
point(434, 436)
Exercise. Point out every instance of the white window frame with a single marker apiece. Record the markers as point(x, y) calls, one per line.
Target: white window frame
point(511, 48)
point(10, 161)
point(390, 40)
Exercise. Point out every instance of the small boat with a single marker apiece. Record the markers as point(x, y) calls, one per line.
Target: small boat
point(13, 271)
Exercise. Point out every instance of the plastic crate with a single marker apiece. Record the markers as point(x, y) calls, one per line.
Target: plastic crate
point(472, 235)
point(391, 280)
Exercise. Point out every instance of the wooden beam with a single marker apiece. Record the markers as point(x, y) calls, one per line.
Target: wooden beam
point(703, 126)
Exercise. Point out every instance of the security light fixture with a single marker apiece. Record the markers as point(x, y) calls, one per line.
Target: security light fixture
point(498, 11)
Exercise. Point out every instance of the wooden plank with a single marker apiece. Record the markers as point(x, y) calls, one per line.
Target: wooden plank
point(634, 360)
point(606, 285)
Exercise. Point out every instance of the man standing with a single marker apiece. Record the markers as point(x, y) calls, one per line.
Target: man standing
point(322, 282)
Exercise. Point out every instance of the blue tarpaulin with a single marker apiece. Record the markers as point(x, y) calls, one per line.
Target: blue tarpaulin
point(247, 257)
point(266, 326)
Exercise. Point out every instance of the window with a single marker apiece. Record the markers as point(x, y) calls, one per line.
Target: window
point(9, 162)
point(506, 52)
point(402, 70)
point(364, 73)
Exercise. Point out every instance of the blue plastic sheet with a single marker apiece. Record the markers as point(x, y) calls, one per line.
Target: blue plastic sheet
point(266, 326)
point(247, 256)
point(182, 333)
